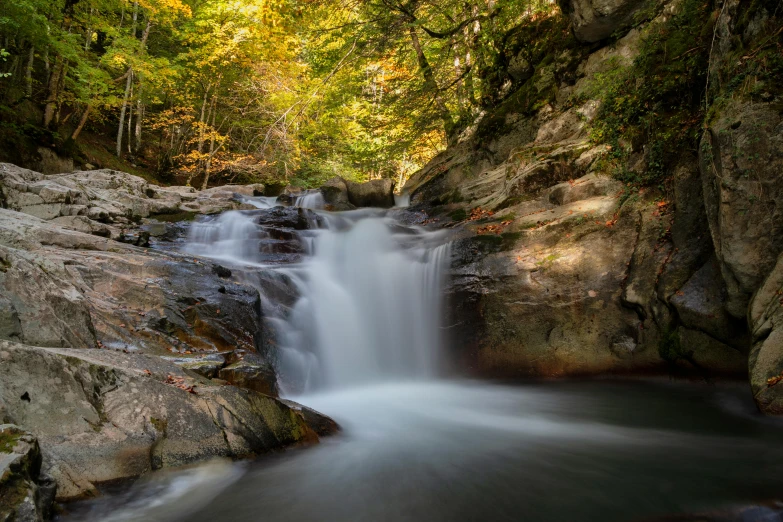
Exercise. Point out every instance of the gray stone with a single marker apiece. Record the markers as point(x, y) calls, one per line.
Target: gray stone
point(335, 193)
point(766, 354)
point(102, 415)
point(375, 193)
point(595, 20)
point(26, 495)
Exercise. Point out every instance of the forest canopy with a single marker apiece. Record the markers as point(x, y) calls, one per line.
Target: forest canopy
point(288, 91)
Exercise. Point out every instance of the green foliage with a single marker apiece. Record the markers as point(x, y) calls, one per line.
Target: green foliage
point(655, 105)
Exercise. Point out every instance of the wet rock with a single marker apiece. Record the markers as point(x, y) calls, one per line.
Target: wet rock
point(102, 415)
point(68, 289)
point(287, 217)
point(205, 365)
point(335, 193)
point(252, 372)
point(375, 193)
point(26, 495)
point(322, 425)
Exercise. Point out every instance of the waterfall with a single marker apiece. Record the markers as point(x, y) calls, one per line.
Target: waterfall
point(312, 199)
point(369, 293)
point(370, 306)
point(232, 236)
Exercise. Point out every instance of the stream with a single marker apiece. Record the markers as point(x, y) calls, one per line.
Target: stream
point(362, 342)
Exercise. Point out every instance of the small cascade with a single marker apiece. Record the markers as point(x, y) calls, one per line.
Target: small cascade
point(369, 290)
point(312, 199)
point(369, 307)
point(402, 200)
point(261, 201)
point(232, 236)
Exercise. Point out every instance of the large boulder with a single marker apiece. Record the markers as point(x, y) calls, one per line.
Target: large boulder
point(766, 356)
point(375, 193)
point(741, 160)
point(335, 193)
point(26, 495)
point(62, 288)
point(595, 20)
point(103, 415)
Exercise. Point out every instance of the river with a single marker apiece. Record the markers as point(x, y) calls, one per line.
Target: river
point(362, 343)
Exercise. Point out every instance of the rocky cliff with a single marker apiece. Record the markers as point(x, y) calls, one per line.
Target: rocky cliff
point(618, 208)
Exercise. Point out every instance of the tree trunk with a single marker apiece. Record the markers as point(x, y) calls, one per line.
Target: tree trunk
point(139, 117)
point(122, 112)
point(28, 74)
point(82, 122)
point(130, 123)
point(429, 80)
point(212, 150)
point(50, 106)
point(128, 84)
point(200, 146)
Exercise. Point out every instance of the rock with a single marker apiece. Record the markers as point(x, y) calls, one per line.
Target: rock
point(104, 201)
point(766, 355)
point(741, 158)
point(595, 20)
point(321, 424)
point(699, 304)
point(335, 193)
point(26, 495)
point(68, 289)
point(251, 372)
point(375, 193)
point(705, 352)
point(292, 218)
point(205, 365)
point(102, 415)
point(52, 163)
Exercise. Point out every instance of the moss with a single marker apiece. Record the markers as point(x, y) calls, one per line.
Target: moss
point(159, 424)
point(657, 101)
point(8, 439)
point(548, 261)
point(176, 217)
point(459, 215)
point(670, 348)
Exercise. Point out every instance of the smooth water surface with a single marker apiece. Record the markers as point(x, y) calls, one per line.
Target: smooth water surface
point(464, 451)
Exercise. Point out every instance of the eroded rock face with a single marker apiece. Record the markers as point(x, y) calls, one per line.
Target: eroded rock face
point(595, 20)
point(26, 495)
point(63, 288)
point(105, 202)
point(741, 161)
point(766, 356)
point(103, 415)
point(559, 268)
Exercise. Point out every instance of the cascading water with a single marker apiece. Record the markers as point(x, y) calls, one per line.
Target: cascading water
point(312, 199)
point(369, 307)
point(360, 342)
point(232, 236)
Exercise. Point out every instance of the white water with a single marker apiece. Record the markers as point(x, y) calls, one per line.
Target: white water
point(370, 295)
point(370, 306)
point(232, 236)
point(362, 344)
point(312, 199)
